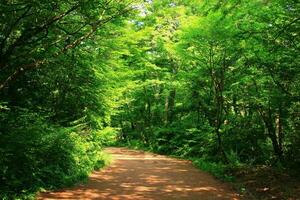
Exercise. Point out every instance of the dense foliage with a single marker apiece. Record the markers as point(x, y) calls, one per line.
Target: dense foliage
point(54, 56)
point(218, 80)
point(214, 80)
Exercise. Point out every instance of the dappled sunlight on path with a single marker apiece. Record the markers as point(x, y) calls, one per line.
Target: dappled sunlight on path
point(136, 175)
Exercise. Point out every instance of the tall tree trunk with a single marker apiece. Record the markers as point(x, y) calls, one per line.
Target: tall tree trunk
point(271, 133)
point(166, 110)
point(218, 79)
point(169, 107)
point(275, 142)
point(279, 128)
point(149, 114)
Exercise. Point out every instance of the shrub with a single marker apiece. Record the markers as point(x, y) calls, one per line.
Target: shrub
point(35, 154)
point(107, 136)
point(219, 170)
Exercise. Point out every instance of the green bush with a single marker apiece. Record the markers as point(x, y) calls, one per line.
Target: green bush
point(37, 155)
point(107, 136)
point(189, 142)
point(219, 170)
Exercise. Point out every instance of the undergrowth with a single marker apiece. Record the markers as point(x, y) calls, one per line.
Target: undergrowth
point(36, 155)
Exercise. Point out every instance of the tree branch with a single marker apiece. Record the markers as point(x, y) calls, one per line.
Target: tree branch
point(11, 28)
point(20, 71)
point(36, 64)
point(28, 34)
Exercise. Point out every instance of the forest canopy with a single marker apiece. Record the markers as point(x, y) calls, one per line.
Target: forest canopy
point(217, 80)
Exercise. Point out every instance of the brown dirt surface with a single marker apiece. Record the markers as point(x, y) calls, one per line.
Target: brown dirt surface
point(136, 175)
point(263, 182)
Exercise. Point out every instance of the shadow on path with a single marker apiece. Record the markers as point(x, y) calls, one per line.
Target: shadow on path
point(135, 175)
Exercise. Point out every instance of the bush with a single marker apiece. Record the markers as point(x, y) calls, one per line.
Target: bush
point(189, 142)
point(35, 154)
point(107, 136)
point(219, 170)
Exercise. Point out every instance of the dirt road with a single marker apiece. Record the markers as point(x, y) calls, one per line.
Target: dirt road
point(136, 175)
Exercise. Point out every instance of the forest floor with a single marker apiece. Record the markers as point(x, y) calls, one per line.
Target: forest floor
point(264, 183)
point(137, 175)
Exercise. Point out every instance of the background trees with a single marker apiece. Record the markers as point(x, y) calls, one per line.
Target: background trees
point(213, 80)
point(223, 80)
point(53, 60)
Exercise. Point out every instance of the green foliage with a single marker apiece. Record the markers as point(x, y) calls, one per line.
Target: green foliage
point(37, 155)
point(107, 136)
point(214, 80)
point(54, 61)
point(135, 144)
point(217, 80)
point(184, 143)
point(219, 170)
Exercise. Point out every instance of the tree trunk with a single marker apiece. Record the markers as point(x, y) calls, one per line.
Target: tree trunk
point(169, 107)
point(271, 133)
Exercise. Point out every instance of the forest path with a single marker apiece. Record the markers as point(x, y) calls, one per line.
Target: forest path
point(137, 175)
